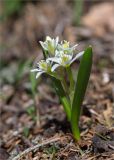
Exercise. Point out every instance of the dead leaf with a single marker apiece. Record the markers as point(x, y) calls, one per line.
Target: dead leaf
point(100, 19)
point(3, 154)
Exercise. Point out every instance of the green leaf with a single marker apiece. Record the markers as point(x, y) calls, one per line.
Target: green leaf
point(32, 112)
point(80, 88)
point(62, 96)
point(23, 67)
point(11, 7)
point(78, 9)
point(34, 83)
point(45, 54)
point(26, 131)
point(71, 89)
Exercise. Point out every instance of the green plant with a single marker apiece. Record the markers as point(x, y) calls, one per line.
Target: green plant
point(14, 72)
point(34, 84)
point(32, 112)
point(11, 7)
point(52, 149)
point(26, 131)
point(21, 70)
point(58, 58)
point(78, 9)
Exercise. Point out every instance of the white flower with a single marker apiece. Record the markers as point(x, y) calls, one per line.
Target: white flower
point(63, 50)
point(61, 54)
point(50, 45)
point(43, 67)
point(64, 60)
point(65, 47)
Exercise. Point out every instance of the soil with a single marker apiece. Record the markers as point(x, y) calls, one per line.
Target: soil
point(49, 132)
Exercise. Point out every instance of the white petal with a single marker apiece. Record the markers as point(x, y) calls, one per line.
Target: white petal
point(74, 46)
point(39, 74)
point(77, 56)
point(48, 38)
point(80, 54)
point(56, 53)
point(57, 40)
point(54, 59)
point(34, 70)
point(43, 45)
point(55, 66)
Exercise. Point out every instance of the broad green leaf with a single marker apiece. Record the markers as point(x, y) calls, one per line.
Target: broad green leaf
point(80, 88)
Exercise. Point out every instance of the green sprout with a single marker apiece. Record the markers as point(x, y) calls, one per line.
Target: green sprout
point(58, 58)
point(78, 10)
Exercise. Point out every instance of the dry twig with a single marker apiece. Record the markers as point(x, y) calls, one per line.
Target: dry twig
point(36, 147)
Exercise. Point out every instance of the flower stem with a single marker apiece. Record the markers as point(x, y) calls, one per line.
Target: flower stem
point(65, 85)
point(69, 71)
point(63, 98)
point(76, 132)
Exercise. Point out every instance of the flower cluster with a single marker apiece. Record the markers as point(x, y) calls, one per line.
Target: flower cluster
point(59, 55)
